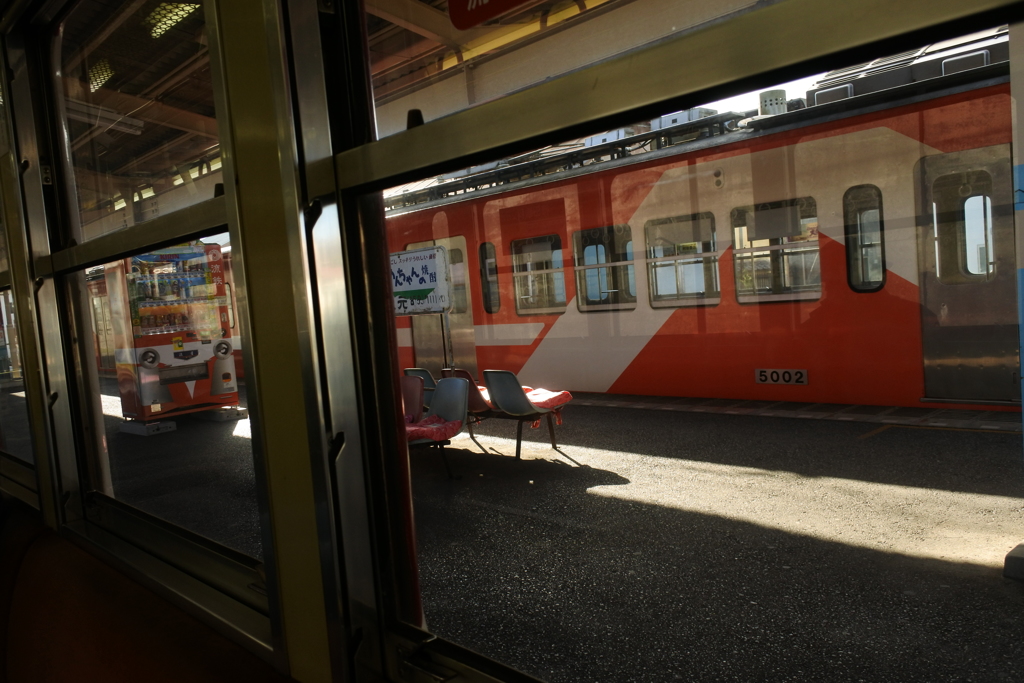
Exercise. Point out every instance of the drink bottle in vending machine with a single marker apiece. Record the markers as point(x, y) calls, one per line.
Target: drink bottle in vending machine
point(172, 332)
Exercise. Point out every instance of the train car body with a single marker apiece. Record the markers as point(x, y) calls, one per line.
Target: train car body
point(864, 257)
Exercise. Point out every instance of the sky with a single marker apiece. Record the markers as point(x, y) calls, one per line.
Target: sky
point(748, 101)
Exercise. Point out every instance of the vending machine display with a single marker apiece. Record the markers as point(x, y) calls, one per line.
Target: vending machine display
point(170, 311)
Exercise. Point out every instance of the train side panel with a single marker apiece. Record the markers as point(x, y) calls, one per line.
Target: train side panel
point(855, 347)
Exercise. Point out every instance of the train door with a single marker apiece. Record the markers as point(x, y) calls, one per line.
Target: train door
point(968, 276)
point(427, 334)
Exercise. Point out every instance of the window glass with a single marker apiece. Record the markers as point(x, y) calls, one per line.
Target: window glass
point(865, 251)
point(604, 269)
point(138, 109)
point(15, 436)
point(784, 337)
point(776, 251)
point(489, 278)
point(978, 252)
point(420, 59)
point(169, 389)
point(962, 213)
point(682, 260)
point(537, 270)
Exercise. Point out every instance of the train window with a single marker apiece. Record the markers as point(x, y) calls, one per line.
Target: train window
point(962, 214)
point(537, 275)
point(137, 104)
point(605, 277)
point(489, 278)
point(978, 254)
point(682, 260)
point(167, 392)
point(15, 437)
point(776, 251)
point(865, 248)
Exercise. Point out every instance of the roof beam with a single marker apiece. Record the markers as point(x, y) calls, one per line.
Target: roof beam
point(147, 110)
point(423, 20)
point(118, 17)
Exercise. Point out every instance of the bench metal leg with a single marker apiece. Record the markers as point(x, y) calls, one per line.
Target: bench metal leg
point(519, 438)
point(551, 431)
point(469, 424)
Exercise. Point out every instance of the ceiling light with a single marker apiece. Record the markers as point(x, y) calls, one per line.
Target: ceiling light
point(99, 74)
point(166, 15)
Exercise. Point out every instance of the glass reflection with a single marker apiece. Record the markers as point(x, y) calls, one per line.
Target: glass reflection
point(170, 390)
point(421, 59)
point(138, 104)
point(840, 258)
point(15, 435)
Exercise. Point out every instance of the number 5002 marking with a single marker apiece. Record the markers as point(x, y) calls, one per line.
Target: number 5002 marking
point(780, 376)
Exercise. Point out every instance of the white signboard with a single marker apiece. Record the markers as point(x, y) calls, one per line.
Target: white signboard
point(420, 281)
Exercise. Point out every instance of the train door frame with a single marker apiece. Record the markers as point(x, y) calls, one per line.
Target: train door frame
point(960, 362)
point(267, 222)
point(600, 97)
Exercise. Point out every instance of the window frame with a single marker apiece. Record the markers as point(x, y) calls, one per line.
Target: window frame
point(950, 235)
point(554, 272)
point(850, 227)
point(713, 256)
point(614, 268)
point(775, 252)
point(490, 286)
point(987, 225)
point(211, 582)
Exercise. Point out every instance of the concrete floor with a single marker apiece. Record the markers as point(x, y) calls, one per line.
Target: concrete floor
point(665, 546)
point(662, 545)
point(200, 476)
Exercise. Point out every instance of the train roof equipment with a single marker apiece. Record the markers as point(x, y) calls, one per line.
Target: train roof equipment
point(958, 64)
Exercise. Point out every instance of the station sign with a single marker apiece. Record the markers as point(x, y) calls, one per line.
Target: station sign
point(421, 281)
point(465, 14)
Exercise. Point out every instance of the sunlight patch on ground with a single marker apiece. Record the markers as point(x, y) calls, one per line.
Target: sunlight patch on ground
point(243, 429)
point(111, 405)
point(928, 523)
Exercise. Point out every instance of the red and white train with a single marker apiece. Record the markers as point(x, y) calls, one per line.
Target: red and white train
point(858, 250)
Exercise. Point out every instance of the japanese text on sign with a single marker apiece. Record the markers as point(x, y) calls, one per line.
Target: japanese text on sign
point(420, 282)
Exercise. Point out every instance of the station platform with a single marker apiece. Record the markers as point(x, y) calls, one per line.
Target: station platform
point(668, 540)
point(930, 417)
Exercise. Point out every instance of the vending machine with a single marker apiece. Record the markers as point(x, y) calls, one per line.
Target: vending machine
point(170, 312)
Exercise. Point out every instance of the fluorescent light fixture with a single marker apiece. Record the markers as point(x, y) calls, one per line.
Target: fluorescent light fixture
point(166, 15)
point(119, 204)
point(103, 117)
point(147, 192)
point(214, 165)
point(99, 73)
point(178, 180)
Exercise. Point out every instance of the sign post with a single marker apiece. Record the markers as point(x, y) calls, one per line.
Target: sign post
point(421, 285)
